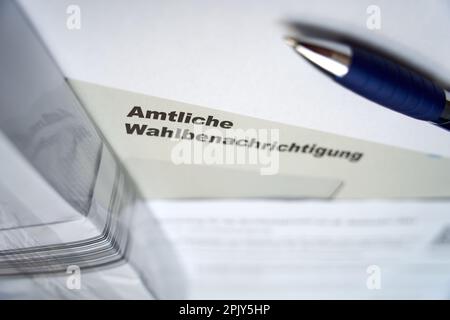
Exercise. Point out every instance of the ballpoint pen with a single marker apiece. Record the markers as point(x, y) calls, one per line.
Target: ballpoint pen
point(378, 79)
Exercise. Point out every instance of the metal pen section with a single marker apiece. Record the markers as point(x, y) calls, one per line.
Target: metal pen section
point(65, 199)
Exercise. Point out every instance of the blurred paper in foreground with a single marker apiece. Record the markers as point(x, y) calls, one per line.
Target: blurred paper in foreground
point(65, 200)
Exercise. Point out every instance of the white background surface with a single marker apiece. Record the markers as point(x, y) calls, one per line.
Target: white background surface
point(230, 55)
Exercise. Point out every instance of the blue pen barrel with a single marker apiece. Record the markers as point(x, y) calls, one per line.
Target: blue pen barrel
point(393, 86)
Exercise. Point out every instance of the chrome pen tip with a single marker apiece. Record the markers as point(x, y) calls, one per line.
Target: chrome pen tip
point(291, 42)
point(327, 56)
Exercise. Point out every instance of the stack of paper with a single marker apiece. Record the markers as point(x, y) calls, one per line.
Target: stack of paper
point(66, 204)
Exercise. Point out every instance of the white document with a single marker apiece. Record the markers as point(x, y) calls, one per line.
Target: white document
point(169, 158)
point(294, 249)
